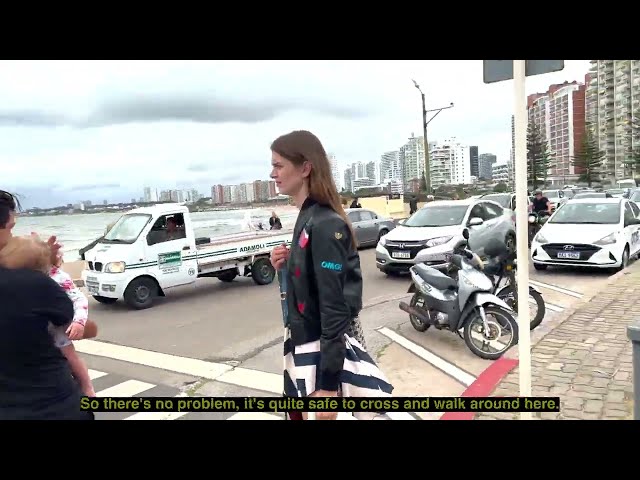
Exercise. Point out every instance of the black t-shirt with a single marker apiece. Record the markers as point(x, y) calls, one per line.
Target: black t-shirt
point(540, 205)
point(35, 378)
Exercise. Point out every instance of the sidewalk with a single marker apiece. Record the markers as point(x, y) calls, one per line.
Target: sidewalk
point(586, 359)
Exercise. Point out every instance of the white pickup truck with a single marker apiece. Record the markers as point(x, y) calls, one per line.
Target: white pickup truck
point(152, 249)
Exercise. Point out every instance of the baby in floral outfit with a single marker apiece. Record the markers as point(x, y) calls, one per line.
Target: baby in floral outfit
point(63, 336)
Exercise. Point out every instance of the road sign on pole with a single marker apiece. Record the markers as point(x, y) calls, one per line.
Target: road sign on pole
point(518, 70)
point(501, 70)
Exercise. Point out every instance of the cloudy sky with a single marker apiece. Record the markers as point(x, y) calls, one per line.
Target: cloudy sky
point(94, 130)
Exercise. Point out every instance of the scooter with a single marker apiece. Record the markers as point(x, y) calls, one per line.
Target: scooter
point(500, 266)
point(463, 304)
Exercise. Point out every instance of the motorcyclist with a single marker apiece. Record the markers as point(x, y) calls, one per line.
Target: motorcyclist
point(541, 204)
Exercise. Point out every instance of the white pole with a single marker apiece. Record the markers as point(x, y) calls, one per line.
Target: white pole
point(522, 232)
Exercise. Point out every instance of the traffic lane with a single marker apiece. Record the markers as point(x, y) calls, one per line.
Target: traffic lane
point(214, 320)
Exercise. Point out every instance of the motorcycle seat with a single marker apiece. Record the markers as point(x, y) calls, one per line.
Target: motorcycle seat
point(435, 278)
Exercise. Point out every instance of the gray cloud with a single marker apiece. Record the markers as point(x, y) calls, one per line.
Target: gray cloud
point(177, 107)
point(96, 186)
point(198, 167)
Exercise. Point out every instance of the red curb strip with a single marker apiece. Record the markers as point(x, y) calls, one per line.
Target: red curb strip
point(484, 385)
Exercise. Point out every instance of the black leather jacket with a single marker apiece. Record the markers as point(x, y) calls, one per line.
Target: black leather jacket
point(324, 287)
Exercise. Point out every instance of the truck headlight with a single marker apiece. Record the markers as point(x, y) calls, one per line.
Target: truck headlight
point(114, 267)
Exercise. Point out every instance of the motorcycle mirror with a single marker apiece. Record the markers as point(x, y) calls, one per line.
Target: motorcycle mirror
point(465, 233)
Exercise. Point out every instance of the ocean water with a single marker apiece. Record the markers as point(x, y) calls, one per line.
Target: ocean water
point(76, 231)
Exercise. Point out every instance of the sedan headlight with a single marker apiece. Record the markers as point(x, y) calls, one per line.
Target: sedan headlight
point(434, 242)
point(114, 267)
point(383, 241)
point(608, 240)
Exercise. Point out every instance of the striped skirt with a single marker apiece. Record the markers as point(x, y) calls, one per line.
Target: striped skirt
point(360, 376)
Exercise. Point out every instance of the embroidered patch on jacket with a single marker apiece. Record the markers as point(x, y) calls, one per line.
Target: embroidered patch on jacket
point(301, 307)
point(338, 235)
point(336, 267)
point(297, 272)
point(304, 239)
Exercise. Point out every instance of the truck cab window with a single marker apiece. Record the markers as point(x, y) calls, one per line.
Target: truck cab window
point(166, 229)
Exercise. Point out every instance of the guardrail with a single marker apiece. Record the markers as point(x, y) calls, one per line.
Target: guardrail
point(633, 332)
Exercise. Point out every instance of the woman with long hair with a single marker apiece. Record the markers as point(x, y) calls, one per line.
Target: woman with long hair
point(321, 284)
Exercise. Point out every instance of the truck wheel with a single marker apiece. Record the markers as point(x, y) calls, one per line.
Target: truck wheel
point(105, 300)
point(140, 293)
point(262, 271)
point(227, 276)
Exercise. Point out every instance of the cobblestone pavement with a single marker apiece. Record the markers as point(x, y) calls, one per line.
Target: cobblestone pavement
point(586, 360)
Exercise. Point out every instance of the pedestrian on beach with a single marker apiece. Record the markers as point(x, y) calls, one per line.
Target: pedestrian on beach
point(321, 285)
point(36, 382)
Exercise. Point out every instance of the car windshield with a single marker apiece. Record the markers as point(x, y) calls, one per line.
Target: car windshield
point(551, 194)
point(588, 213)
point(590, 195)
point(635, 196)
point(502, 199)
point(127, 229)
point(437, 216)
point(616, 191)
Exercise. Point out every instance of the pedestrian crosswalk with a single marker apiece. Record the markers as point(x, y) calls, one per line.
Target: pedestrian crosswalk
point(114, 385)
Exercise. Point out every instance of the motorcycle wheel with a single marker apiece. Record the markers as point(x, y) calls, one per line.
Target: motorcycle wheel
point(474, 326)
point(542, 309)
point(418, 301)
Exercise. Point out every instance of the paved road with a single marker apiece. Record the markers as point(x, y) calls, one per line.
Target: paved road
point(207, 322)
point(214, 320)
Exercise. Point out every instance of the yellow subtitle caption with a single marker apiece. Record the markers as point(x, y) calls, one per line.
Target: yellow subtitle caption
point(321, 404)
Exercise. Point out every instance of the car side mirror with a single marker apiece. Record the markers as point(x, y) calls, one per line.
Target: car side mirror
point(475, 221)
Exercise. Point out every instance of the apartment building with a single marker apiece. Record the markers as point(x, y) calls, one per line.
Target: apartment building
point(559, 114)
point(450, 163)
point(613, 96)
point(501, 173)
point(412, 159)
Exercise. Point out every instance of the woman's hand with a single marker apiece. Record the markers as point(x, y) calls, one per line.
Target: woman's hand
point(325, 415)
point(279, 255)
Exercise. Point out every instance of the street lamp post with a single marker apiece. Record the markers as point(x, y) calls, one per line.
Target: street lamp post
point(425, 122)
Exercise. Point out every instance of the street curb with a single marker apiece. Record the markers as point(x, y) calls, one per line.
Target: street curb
point(484, 384)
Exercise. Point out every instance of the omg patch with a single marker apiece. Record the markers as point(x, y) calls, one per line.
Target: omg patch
point(336, 267)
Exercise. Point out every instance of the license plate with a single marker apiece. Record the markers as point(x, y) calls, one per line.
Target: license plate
point(571, 255)
point(92, 290)
point(401, 254)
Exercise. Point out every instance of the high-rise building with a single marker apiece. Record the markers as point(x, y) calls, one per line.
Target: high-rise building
point(412, 160)
point(613, 95)
point(559, 114)
point(390, 165)
point(485, 165)
point(449, 163)
point(473, 161)
point(335, 170)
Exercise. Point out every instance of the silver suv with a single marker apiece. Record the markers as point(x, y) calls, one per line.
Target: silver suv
point(430, 234)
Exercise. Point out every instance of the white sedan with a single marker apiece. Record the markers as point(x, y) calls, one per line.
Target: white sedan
point(592, 232)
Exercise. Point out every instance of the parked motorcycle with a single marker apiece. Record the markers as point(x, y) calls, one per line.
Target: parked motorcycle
point(501, 265)
point(463, 304)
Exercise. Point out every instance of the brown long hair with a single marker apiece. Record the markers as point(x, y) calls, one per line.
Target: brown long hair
point(300, 146)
